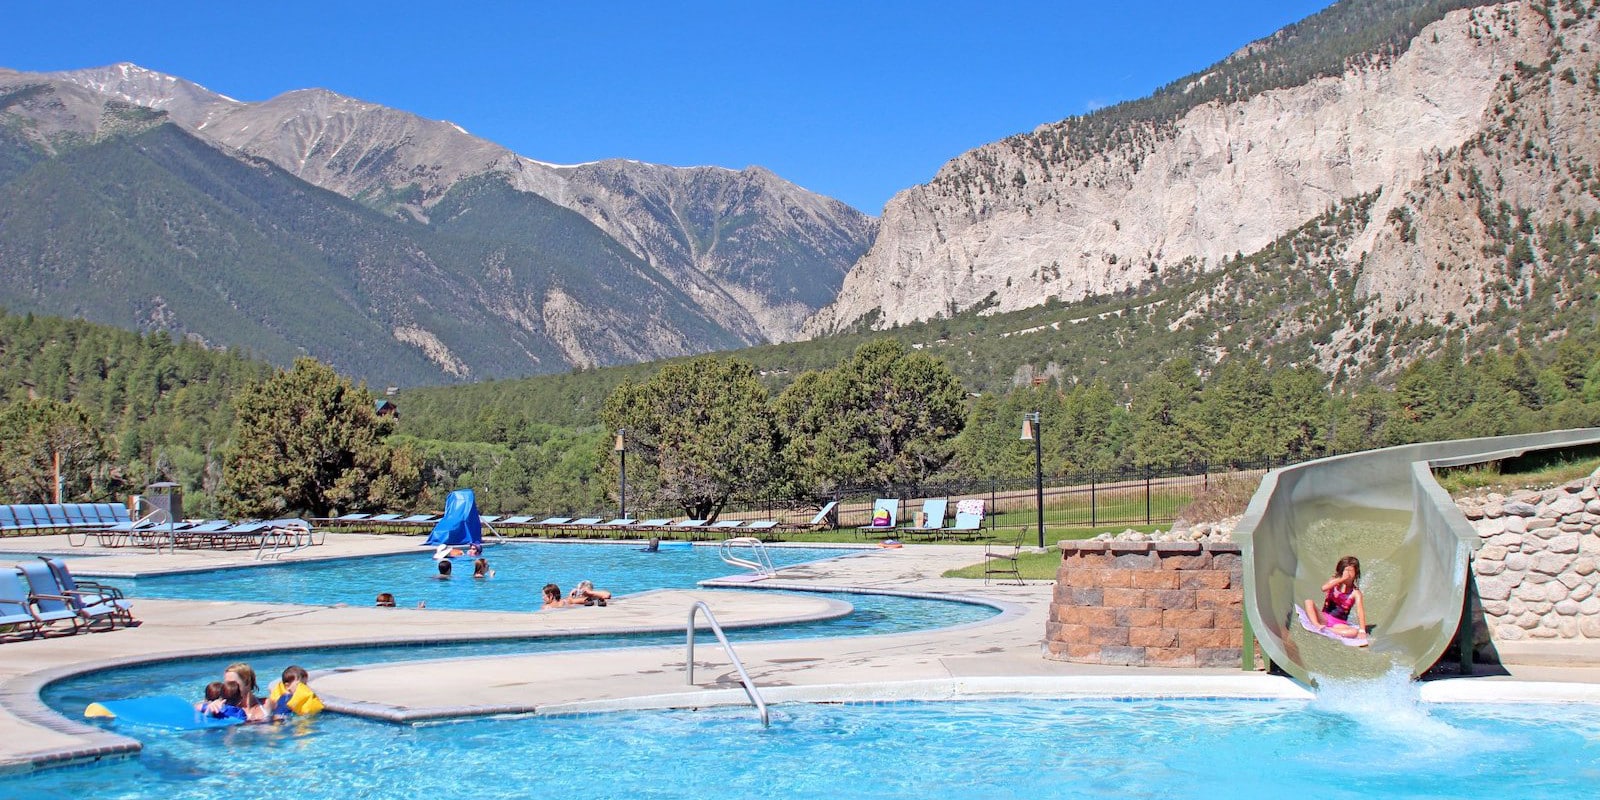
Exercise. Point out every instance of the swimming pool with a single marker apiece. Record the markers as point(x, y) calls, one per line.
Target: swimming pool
point(521, 569)
point(964, 749)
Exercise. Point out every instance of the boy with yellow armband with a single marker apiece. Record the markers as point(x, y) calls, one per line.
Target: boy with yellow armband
point(293, 695)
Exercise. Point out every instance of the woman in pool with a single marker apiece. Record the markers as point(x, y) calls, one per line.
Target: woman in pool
point(241, 682)
point(1341, 596)
point(480, 569)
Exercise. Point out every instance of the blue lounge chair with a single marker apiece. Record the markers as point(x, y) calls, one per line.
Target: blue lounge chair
point(884, 509)
point(385, 518)
point(57, 514)
point(55, 603)
point(516, 519)
point(586, 522)
point(655, 522)
point(418, 519)
point(24, 514)
point(16, 609)
point(762, 525)
point(118, 512)
point(554, 521)
point(89, 591)
point(966, 522)
point(356, 517)
point(725, 524)
point(692, 523)
point(933, 511)
point(74, 515)
point(8, 518)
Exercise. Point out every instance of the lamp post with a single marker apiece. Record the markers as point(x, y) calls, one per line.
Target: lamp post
point(1031, 429)
point(622, 489)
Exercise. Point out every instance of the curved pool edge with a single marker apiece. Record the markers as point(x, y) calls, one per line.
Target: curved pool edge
point(20, 696)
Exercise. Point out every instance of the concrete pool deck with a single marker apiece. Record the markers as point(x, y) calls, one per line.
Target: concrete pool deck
point(1001, 655)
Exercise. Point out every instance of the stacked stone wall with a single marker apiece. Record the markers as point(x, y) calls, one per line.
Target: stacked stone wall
point(1168, 604)
point(1539, 568)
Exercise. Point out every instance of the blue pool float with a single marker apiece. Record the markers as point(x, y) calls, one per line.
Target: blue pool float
point(167, 712)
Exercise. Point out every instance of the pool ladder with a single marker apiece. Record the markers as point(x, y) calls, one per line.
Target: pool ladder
point(750, 689)
point(759, 562)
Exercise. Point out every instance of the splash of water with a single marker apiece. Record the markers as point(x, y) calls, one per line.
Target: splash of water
point(1389, 708)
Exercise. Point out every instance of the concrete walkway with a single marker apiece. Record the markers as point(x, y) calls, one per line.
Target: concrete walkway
point(1001, 655)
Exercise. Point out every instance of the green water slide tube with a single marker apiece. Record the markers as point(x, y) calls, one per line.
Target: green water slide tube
point(1414, 567)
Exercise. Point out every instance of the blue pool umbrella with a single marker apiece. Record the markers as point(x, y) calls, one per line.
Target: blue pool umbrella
point(460, 525)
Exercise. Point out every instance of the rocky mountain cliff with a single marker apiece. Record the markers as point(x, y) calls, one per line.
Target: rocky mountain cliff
point(758, 251)
point(1462, 134)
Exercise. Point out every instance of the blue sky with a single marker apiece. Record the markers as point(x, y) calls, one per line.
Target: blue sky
point(855, 100)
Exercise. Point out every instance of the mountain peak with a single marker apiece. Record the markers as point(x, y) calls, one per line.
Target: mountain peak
point(185, 101)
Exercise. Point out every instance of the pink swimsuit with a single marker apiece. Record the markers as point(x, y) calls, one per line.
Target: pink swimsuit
point(1339, 602)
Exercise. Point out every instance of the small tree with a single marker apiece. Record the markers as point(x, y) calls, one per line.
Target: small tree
point(308, 441)
point(32, 435)
point(697, 433)
point(886, 417)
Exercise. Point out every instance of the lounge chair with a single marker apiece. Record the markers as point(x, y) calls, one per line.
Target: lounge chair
point(692, 523)
point(654, 522)
point(418, 519)
point(761, 525)
point(966, 522)
point(16, 609)
point(553, 522)
point(725, 524)
point(886, 510)
point(56, 602)
point(933, 513)
point(516, 519)
point(385, 518)
point(8, 518)
point(90, 591)
point(356, 517)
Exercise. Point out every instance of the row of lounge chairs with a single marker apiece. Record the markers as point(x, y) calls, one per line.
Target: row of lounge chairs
point(218, 534)
point(35, 517)
point(886, 512)
point(38, 598)
point(583, 525)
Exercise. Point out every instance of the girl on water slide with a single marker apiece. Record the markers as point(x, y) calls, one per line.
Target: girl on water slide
point(1341, 597)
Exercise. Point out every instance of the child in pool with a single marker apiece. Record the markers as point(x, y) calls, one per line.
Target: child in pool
point(293, 695)
point(1341, 596)
point(226, 709)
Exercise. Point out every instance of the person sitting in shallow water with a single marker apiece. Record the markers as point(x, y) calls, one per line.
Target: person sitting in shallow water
point(480, 569)
point(385, 600)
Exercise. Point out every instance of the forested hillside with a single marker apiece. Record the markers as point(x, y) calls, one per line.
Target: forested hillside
point(164, 407)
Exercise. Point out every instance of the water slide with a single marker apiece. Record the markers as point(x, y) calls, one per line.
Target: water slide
point(1384, 507)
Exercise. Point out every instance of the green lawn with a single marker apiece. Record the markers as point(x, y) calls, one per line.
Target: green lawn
point(1493, 478)
point(1126, 504)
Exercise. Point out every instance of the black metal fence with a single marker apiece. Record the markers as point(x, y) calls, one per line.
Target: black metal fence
point(1088, 499)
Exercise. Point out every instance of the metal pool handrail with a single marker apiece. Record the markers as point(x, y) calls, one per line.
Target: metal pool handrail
point(750, 689)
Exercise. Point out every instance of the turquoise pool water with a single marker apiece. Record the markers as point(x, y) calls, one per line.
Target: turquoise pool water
point(993, 749)
point(521, 570)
